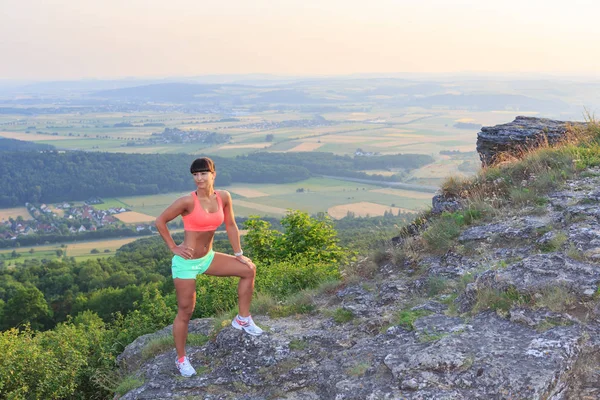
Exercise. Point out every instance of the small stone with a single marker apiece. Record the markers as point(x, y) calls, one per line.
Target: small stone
point(409, 384)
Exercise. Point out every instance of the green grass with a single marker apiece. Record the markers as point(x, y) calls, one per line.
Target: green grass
point(498, 300)
point(574, 253)
point(555, 243)
point(297, 344)
point(128, 383)
point(358, 369)
point(110, 203)
point(342, 315)
point(556, 298)
point(428, 337)
point(443, 231)
point(436, 285)
point(298, 303)
point(165, 343)
point(407, 318)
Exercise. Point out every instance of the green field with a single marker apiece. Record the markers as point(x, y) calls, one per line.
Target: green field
point(376, 128)
point(80, 250)
point(258, 199)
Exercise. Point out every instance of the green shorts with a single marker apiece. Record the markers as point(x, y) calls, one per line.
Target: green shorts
point(188, 269)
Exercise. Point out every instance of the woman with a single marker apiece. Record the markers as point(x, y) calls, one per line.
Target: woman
point(203, 211)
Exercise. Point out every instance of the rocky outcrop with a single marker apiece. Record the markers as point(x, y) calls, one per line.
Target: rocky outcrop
point(511, 313)
point(522, 133)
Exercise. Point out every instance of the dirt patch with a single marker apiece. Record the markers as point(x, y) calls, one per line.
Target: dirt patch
point(259, 207)
point(132, 217)
point(306, 147)
point(362, 209)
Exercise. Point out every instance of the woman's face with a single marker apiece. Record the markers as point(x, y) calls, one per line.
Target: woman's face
point(204, 178)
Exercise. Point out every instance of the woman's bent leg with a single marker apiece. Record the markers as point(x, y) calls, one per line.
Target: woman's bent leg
point(226, 265)
point(186, 301)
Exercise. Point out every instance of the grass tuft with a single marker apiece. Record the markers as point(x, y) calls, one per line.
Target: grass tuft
point(342, 315)
point(499, 300)
point(555, 243)
point(165, 343)
point(128, 383)
point(407, 318)
point(556, 298)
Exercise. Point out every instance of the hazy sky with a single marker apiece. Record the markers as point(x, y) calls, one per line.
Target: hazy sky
point(67, 39)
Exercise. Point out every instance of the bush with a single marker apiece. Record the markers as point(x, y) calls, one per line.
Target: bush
point(54, 364)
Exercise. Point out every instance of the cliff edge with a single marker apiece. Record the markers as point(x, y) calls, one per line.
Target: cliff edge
point(510, 310)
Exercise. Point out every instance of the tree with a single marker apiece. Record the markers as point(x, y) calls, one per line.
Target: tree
point(303, 235)
point(28, 305)
point(269, 137)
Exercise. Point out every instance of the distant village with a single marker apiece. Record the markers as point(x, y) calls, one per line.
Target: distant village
point(64, 219)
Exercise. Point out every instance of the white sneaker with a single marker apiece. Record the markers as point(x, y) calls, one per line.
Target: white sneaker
point(185, 368)
point(247, 325)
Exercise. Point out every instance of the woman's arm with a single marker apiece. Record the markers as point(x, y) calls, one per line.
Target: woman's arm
point(178, 207)
point(233, 233)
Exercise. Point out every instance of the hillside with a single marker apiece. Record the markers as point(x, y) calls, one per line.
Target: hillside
point(497, 297)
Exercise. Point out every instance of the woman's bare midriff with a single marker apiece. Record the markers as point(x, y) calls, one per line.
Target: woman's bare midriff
point(199, 243)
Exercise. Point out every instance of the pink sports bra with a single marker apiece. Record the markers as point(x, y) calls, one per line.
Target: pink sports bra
point(201, 221)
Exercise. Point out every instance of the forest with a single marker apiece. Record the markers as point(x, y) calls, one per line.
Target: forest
point(51, 176)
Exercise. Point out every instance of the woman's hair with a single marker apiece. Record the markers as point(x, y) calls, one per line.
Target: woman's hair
point(203, 164)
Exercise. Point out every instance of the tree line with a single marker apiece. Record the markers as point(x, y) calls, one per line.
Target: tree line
point(50, 176)
point(332, 164)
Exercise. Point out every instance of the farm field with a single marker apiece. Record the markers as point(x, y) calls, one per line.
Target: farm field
point(362, 209)
point(381, 129)
point(380, 123)
point(313, 195)
point(13, 213)
point(134, 217)
point(79, 250)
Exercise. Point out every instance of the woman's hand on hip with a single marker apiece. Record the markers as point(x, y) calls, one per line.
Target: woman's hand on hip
point(247, 261)
point(183, 251)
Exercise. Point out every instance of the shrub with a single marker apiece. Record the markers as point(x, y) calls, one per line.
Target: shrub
point(54, 364)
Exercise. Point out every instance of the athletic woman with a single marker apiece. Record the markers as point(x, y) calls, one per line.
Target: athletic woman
point(203, 211)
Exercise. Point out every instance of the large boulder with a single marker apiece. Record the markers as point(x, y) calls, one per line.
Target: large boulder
point(522, 133)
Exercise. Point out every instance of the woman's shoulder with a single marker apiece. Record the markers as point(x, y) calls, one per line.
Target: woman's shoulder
point(224, 194)
point(186, 198)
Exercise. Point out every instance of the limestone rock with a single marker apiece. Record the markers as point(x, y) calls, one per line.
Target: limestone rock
point(520, 134)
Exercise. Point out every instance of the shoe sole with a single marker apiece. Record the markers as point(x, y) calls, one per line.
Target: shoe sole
point(241, 328)
point(187, 376)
